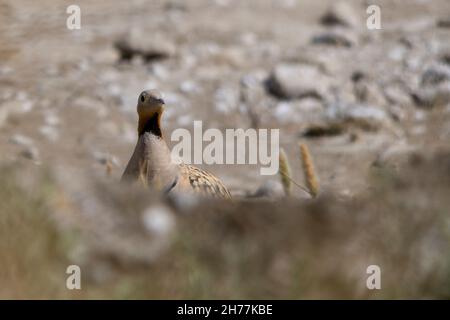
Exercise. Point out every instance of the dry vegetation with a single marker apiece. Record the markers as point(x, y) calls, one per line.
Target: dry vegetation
point(369, 185)
point(246, 249)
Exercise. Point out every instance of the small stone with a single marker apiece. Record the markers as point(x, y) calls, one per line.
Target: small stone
point(299, 111)
point(283, 112)
point(159, 71)
point(189, 87)
point(435, 75)
point(434, 87)
point(107, 56)
point(269, 189)
point(367, 91)
point(297, 81)
point(49, 132)
point(397, 95)
point(31, 153)
point(397, 53)
point(248, 39)
point(443, 23)
point(365, 116)
point(158, 220)
point(183, 202)
point(21, 140)
point(341, 13)
point(226, 99)
point(15, 107)
point(429, 97)
point(148, 45)
point(51, 119)
point(334, 38)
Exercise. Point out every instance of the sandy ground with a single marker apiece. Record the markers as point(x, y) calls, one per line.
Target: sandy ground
point(70, 94)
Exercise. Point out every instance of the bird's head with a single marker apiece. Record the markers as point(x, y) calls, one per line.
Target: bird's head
point(150, 107)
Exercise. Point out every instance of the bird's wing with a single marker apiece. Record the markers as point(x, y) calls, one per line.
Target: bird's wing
point(204, 182)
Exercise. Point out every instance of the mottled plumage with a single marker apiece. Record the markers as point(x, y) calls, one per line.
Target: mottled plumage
point(204, 182)
point(151, 162)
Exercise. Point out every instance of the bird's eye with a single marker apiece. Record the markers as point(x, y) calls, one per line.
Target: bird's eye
point(142, 98)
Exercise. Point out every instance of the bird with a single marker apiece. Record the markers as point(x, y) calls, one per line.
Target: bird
point(151, 161)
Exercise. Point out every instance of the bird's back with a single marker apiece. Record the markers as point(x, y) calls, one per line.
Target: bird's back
point(203, 182)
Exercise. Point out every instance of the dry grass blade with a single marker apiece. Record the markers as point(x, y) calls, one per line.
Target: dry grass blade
point(285, 173)
point(309, 173)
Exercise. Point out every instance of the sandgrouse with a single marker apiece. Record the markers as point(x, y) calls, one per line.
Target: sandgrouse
point(151, 160)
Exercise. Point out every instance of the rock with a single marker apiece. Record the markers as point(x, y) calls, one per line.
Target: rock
point(283, 112)
point(159, 71)
point(6, 70)
point(434, 87)
point(443, 23)
point(269, 189)
point(31, 153)
point(175, 6)
point(14, 108)
point(365, 90)
point(397, 53)
point(365, 116)
point(429, 97)
point(158, 220)
point(316, 130)
point(190, 87)
point(306, 110)
point(334, 38)
point(226, 99)
point(341, 14)
point(51, 119)
point(252, 85)
point(232, 56)
point(297, 81)
point(20, 140)
point(435, 75)
point(445, 58)
point(49, 132)
point(183, 202)
point(396, 156)
point(248, 39)
point(107, 56)
point(149, 46)
point(396, 94)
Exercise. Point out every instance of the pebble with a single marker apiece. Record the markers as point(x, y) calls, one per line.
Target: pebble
point(30, 152)
point(158, 220)
point(341, 13)
point(365, 116)
point(296, 81)
point(334, 38)
point(49, 132)
point(20, 140)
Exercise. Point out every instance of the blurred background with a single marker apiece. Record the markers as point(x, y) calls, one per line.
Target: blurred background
point(372, 105)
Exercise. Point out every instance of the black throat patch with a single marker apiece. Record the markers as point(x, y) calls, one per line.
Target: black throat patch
point(152, 126)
